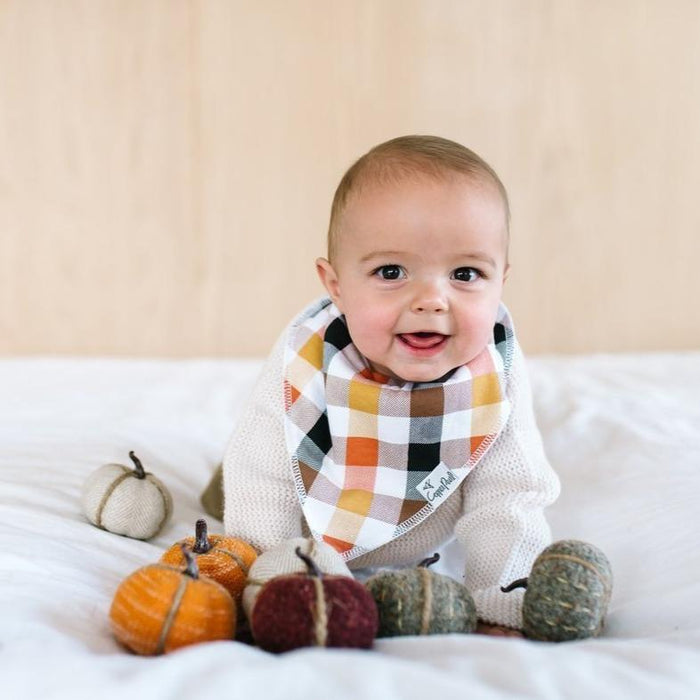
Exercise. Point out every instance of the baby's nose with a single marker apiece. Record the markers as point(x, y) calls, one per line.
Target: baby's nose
point(429, 298)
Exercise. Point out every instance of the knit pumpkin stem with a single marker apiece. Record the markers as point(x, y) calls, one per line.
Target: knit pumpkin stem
point(191, 568)
point(139, 471)
point(518, 583)
point(429, 561)
point(201, 544)
point(312, 568)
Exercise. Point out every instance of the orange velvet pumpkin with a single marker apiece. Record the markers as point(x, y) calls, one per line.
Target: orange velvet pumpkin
point(225, 559)
point(160, 608)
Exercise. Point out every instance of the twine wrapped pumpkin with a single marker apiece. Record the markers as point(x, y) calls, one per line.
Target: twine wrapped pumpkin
point(567, 592)
point(160, 608)
point(419, 601)
point(282, 559)
point(225, 559)
point(313, 609)
point(125, 501)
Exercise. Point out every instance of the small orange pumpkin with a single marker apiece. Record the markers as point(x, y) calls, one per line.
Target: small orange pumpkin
point(225, 559)
point(160, 608)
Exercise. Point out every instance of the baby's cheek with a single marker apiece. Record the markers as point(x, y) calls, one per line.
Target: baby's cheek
point(477, 327)
point(369, 330)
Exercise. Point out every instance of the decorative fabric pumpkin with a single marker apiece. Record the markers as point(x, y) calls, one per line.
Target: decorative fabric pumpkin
point(225, 559)
point(127, 501)
point(282, 559)
point(212, 498)
point(567, 592)
point(419, 601)
point(313, 609)
point(160, 608)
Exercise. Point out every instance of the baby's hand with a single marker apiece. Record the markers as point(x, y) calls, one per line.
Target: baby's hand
point(498, 630)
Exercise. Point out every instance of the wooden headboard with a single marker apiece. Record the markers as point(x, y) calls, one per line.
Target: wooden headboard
point(166, 167)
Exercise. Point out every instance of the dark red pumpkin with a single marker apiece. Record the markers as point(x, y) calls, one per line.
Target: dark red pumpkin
point(312, 609)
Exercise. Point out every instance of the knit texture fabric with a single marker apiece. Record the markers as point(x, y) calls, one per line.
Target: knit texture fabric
point(497, 514)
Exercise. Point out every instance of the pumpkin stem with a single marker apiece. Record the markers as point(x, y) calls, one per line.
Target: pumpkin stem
point(201, 544)
point(518, 583)
point(429, 561)
point(139, 472)
point(312, 568)
point(191, 569)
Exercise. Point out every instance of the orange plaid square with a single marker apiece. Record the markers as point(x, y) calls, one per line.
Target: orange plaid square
point(362, 452)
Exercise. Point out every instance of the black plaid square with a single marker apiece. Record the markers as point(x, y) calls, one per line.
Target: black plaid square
point(423, 456)
point(499, 333)
point(320, 434)
point(337, 334)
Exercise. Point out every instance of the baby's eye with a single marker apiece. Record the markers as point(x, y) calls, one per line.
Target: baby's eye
point(390, 272)
point(466, 274)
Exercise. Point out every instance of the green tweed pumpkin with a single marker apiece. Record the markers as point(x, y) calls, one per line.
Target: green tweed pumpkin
point(567, 592)
point(419, 601)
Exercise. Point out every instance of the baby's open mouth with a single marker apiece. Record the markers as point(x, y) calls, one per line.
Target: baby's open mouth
point(422, 339)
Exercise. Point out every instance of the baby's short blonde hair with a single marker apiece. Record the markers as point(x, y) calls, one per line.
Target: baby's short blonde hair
point(406, 156)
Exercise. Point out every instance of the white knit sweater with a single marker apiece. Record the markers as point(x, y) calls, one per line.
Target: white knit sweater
point(496, 515)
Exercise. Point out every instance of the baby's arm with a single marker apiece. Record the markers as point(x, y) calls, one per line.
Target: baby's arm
point(260, 501)
point(503, 527)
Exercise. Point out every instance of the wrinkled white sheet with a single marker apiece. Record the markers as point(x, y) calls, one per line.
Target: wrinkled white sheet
point(622, 431)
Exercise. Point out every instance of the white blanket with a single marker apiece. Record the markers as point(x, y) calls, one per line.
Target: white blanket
point(622, 431)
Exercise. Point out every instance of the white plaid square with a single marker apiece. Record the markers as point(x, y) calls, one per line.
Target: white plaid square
point(393, 429)
point(321, 513)
point(374, 533)
point(456, 424)
point(338, 419)
point(390, 482)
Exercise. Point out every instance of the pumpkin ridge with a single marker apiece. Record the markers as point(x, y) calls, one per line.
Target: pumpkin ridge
point(167, 499)
point(577, 560)
point(427, 600)
point(108, 493)
point(172, 612)
point(244, 568)
point(320, 614)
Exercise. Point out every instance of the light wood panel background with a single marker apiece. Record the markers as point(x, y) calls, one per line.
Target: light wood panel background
point(166, 167)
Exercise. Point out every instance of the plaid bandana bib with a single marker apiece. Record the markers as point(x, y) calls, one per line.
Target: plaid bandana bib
point(371, 460)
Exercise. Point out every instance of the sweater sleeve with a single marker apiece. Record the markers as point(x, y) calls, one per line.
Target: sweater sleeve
point(260, 500)
point(503, 528)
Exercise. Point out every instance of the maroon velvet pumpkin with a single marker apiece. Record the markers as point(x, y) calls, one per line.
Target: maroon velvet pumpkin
point(313, 609)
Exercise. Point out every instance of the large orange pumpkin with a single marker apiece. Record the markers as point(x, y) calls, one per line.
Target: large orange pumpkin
point(160, 608)
point(225, 559)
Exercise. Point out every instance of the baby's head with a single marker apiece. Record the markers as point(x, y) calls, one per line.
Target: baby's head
point(417, 255)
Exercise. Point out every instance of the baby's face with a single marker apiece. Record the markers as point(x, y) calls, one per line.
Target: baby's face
point(419, 272)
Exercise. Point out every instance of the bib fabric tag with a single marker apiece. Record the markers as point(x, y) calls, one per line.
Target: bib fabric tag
point(439, 485)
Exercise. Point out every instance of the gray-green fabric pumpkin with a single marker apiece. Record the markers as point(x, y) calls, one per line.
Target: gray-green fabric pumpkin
point(567, 592)
point(212, 498)
point(419, 601)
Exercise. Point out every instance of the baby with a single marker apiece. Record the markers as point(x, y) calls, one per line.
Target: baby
point(395, 414)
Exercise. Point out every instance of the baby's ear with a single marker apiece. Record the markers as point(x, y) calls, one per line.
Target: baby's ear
point(506, 272)
point(329, 279)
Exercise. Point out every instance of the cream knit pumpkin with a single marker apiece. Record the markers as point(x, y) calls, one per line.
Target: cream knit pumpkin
point(126, 501)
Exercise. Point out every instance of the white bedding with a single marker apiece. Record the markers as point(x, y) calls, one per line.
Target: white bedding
point(622, 431)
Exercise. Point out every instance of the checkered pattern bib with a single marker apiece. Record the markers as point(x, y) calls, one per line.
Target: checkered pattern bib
point(372, 459)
